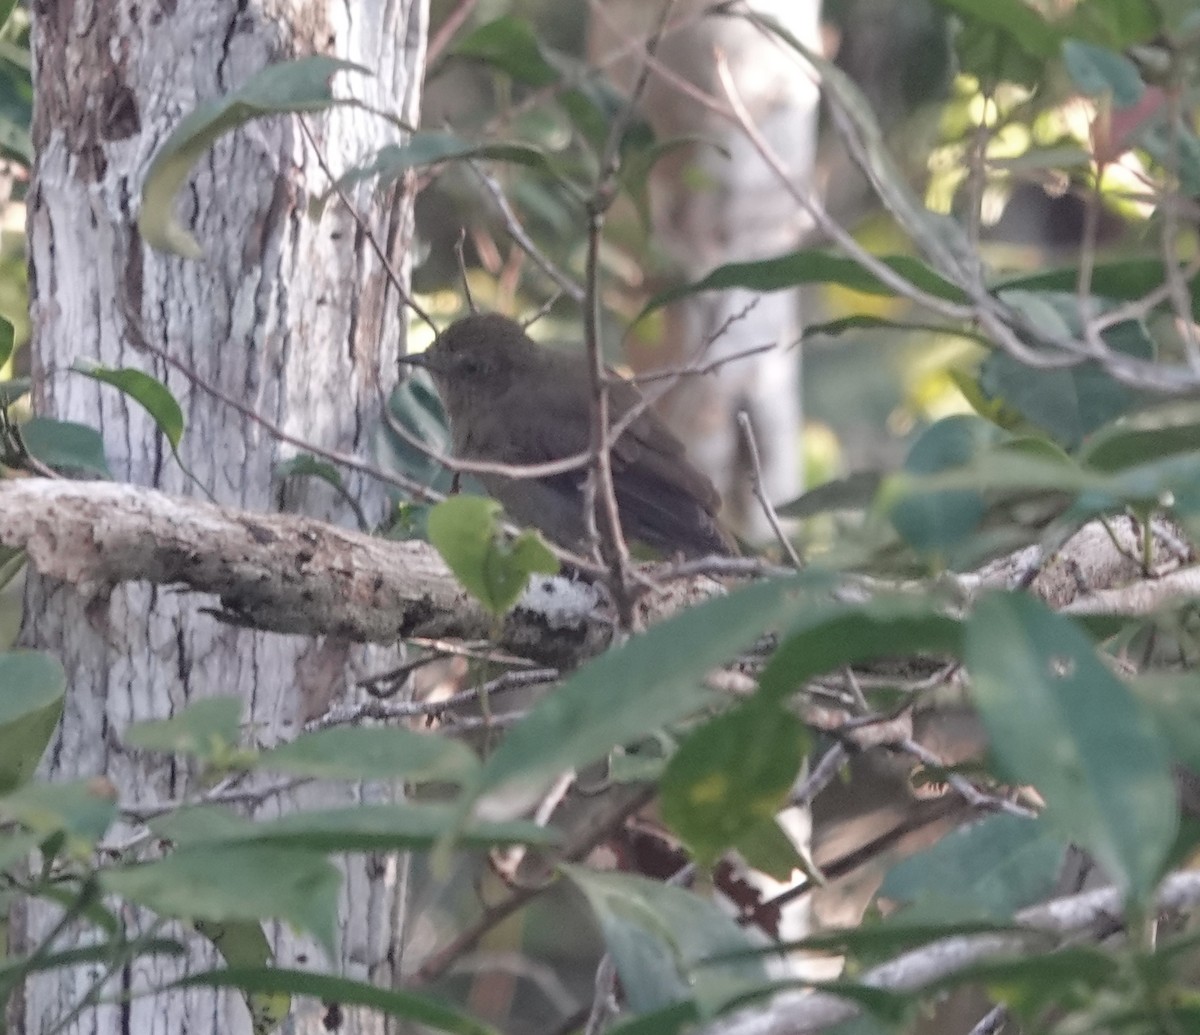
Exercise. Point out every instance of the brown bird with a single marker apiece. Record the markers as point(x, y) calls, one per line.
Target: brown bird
point(511, 401)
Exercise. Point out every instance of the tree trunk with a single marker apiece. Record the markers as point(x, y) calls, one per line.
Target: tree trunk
point(718, 202)
point(290, 315)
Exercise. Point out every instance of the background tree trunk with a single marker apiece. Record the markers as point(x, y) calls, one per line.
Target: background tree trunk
point(290, 315)
point(718, 202)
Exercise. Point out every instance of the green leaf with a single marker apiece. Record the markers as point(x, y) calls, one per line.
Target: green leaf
point(868, 322)
point(731, 775)
point(306, 465)
point(993, 867)
point(12, 390)
point(466, 531)
point(509, 44)
point(195, 824)
point(810, 266)
point(15, 847)
point(845, 634)
point(14, 970)
point(32, 686)
point(148, 392)
point(208, 728)
point(659, 934)
point(1116, 23)
point(1071, 402)
point(1121, 280)
point(1040, 979)
point(1016, 19)
point(359, 828)
point(766, 847)
point(434, 147)
point(375, 753)
point(242, 944)
point(854, 492)
point(424, 1010)
point(1098, 71)
point(289, 87)
point(648, 682)
point(1059, 719)
point(935, 520)
point(66, 446)
point(7, 335)
point(237, 882)
point(1173, 699)
point(82, 809)
point(1119, 447)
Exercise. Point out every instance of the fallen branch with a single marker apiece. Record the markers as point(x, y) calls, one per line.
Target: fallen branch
point(281, 572)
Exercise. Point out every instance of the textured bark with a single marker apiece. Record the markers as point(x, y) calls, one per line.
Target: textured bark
point(291, 315)
point(719, 202)
point(289, 574)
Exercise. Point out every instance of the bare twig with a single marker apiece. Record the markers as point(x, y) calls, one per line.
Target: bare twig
point(565, 283)
point(760, 494)
point(823, 773)
point(603, 1006)
point(349, 715)
point(991, 1022)
point(367, 232)
point(410, 486)
point(969, 793)
point(446, 31)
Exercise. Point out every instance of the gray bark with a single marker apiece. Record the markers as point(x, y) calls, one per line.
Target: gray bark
point(290, 315)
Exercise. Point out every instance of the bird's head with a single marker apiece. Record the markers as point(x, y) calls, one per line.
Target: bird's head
point(477, 356)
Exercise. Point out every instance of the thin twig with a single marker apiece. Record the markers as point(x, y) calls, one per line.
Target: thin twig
point(349, 715)
point(991, 1022)
point(410, 486)
point(603, 1006)
point(972, 795)
point(366, 230)
point(566, 284)
point(822, 775)
point(605, 514)
point(445, 33)
point(760, 494)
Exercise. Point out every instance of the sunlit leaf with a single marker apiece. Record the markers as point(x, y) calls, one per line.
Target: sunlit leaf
point(466, 531)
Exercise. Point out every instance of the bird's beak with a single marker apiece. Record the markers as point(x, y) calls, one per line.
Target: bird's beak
point(417, 359)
